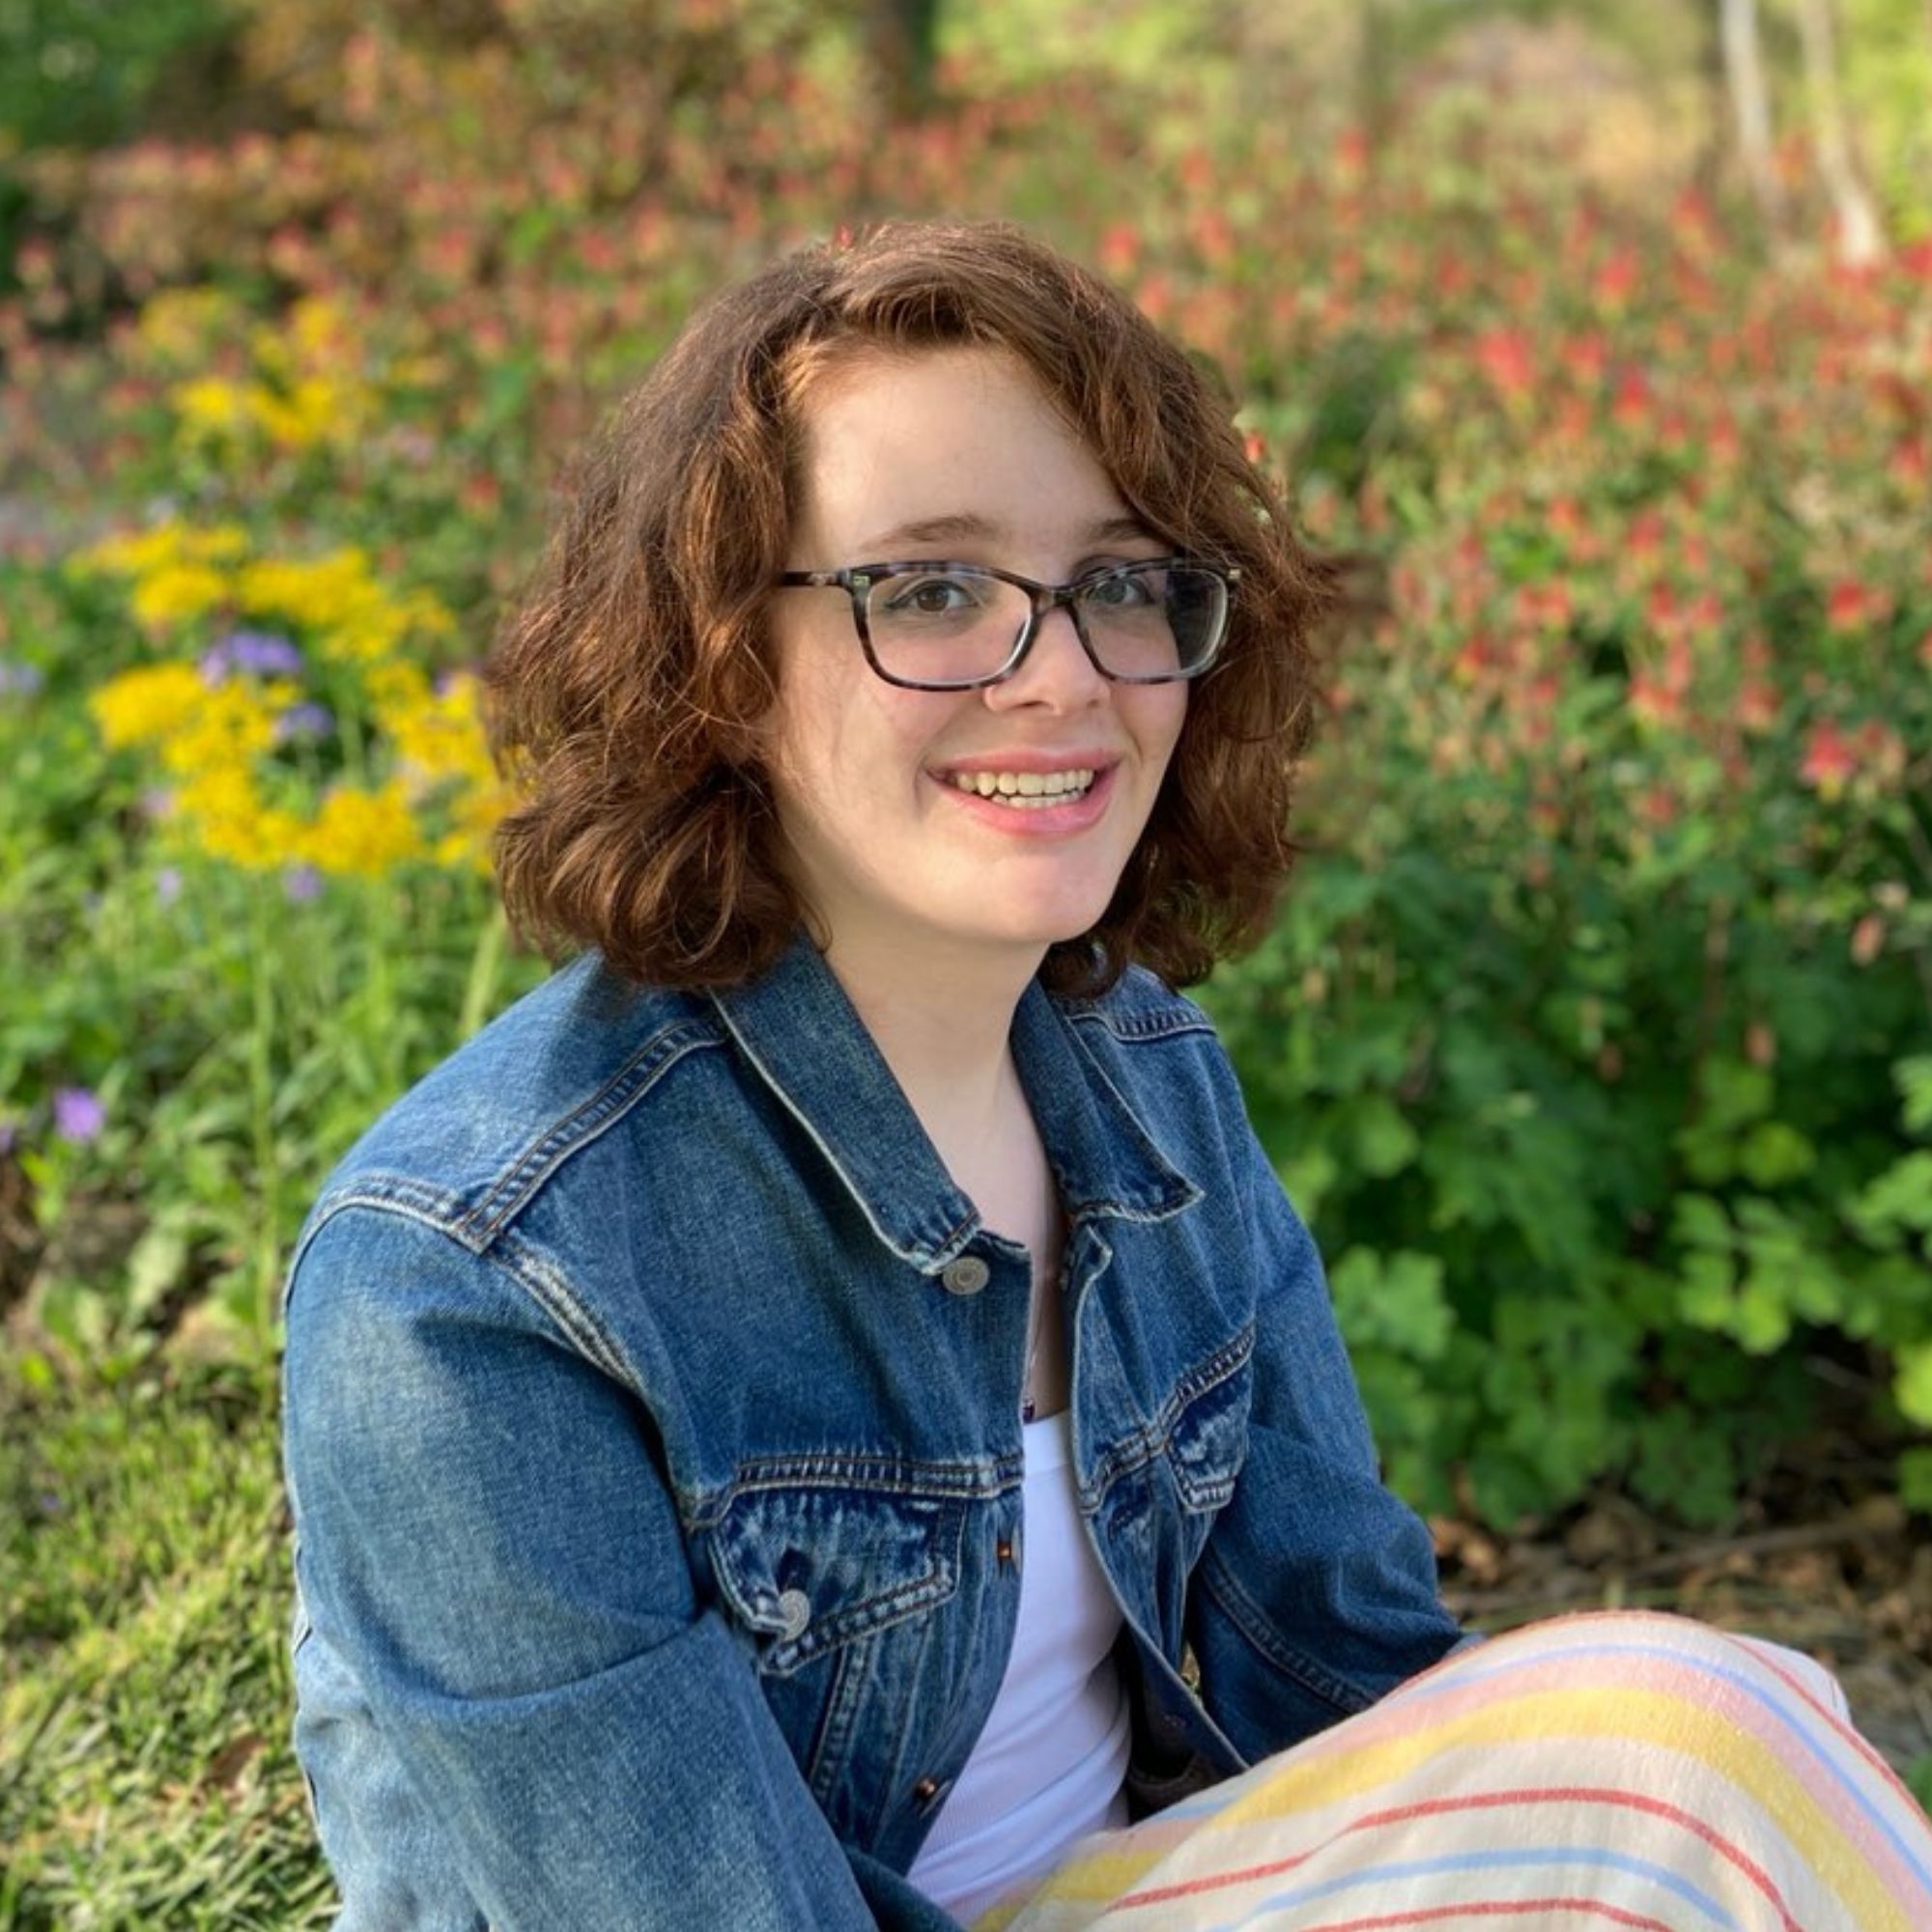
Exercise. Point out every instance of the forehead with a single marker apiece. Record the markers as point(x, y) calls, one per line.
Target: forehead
point(943, 438)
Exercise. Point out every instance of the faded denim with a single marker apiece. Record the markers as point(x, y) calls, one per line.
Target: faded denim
point(653, 1440)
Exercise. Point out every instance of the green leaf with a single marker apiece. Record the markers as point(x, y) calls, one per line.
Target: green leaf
point(1912, 1383)
point(1705, 1290)
point(1384, 1141)
point(1700, 1222)
point(1735, 1093)
point(1899, 1199)
point(1392, 1302)
point(155, 1268)
point(1914, 1076)
point(1306, 1177)
point(1774, 1153)
point(1914, 1489)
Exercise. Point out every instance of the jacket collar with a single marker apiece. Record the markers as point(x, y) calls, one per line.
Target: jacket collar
point(801, 1035)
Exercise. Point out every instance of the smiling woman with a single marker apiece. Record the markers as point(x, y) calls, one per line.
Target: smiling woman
point(822, 1415)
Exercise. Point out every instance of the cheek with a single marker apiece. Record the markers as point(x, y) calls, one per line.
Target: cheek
point(1161, 711)
point(846, 744)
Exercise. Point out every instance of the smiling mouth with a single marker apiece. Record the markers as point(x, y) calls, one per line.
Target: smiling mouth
point(1025, 791)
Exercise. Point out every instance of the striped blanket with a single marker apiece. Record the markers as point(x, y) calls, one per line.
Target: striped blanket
point(1618, 1770)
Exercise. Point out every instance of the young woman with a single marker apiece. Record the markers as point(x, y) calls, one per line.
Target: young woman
point(824, 1406)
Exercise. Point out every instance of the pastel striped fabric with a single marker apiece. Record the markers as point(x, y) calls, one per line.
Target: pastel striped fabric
point(1619, 1770)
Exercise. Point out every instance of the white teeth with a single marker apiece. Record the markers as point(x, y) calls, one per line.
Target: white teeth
point(1025, 788)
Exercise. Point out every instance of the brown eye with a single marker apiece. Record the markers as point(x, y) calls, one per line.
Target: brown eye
point(948, 595)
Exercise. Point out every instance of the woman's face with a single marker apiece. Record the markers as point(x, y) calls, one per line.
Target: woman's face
point(954, 455)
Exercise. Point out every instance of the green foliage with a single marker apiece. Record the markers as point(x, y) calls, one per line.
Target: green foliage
point(146, 1773)
point(1888, 58)
point(85, 72)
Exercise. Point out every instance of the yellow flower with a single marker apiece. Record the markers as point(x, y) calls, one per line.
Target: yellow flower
point(441, 736)
point(474, 817)
point(224, 812)
point(425, 613)
point(311, 409)
point(396, 689)
point(140, 708)
point(211, 406)
point(177, 593)
point(319, 331)
point(233, 726)
point(321, 591)
point(177, 325)
point(140, 552)
point(223, 815)
point(362, 834)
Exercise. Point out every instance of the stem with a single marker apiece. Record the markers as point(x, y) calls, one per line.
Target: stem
point(486, 963)
point(262, 1117)
point(381, 999)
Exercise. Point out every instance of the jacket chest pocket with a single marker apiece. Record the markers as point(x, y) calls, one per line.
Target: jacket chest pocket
point(806, 1570)
point(1173, 1477)
point(835, 1590)
point(1207, 1439)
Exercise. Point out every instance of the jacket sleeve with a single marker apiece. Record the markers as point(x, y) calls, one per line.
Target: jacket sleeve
point(485, 1535)
point(1316, 1591)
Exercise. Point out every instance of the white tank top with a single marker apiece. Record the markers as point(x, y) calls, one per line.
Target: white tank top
point(1050, 1765)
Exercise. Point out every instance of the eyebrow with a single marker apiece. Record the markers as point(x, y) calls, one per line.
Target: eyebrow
point(971, 529)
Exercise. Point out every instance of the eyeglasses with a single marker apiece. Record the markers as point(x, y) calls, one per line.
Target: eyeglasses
point(957, 626)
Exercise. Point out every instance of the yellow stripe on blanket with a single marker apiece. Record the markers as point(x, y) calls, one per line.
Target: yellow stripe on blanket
point(1322, 1774)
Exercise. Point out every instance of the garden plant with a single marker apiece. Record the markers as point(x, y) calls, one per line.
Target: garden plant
point(1593, 1037)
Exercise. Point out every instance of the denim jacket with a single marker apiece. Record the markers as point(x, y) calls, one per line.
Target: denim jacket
point(653, 1438)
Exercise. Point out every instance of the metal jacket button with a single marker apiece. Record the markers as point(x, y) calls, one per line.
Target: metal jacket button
point(968, 1275)
point(795, 1608)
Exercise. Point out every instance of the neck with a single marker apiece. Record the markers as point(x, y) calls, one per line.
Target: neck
point(941, 1020)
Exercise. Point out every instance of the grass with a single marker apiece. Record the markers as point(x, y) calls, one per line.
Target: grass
point(146, 1773)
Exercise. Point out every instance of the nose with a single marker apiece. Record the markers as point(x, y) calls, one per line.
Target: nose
point(1056, 670)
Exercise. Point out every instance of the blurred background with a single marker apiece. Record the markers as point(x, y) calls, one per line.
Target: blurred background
point(1595, 1035)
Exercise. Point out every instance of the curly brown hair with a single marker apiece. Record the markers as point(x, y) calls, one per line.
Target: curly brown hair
point(627, 690)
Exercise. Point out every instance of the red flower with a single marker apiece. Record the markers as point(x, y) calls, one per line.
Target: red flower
point(1616, 278)
point(1828, 764)
point(1758, 704)
point(1654, 701)
point(1119, 249)
point(1507, 358)
point(1850, 605)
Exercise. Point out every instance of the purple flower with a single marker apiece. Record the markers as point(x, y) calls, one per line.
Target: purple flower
point(304, 721)
point(20, 680)
point(157, 802)
point(9, 1134)
point(301, 883)
point(78, 1114)
point(263, 653)
point(168, 884)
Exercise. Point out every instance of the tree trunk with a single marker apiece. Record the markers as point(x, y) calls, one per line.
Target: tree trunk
point(1861, 237)
point(1750, 107)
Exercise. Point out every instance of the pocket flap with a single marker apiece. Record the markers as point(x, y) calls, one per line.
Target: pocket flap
point(808, 1568)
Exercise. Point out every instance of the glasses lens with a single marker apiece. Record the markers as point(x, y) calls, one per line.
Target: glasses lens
point(1155, 620)
point(943, 626)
